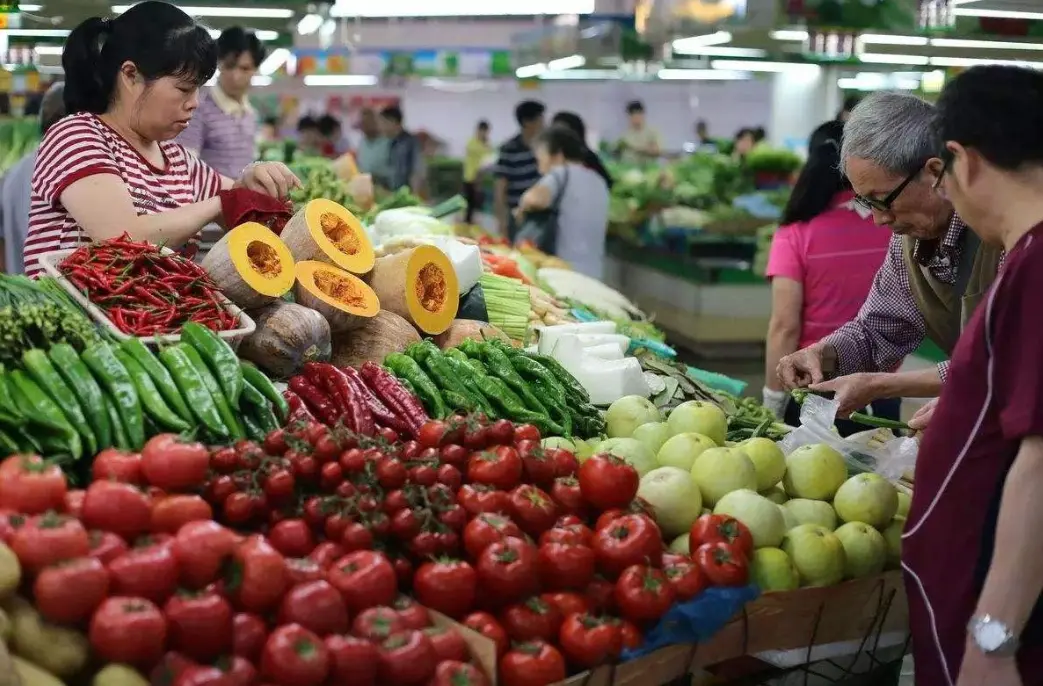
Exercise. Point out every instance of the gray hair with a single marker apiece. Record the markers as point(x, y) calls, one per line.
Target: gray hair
point(891, 130)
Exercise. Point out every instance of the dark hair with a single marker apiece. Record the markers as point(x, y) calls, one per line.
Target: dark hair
point(528, 110)
point(634, 107)
point(392, 113)
point(483, 125)
point(851, 102)
point(236, 40)
point(820, 179)
point(759, 134)
point(744, 132)
point(573, 121)
point(52, 107)
point(560, 139)
point(996, 110)
point(328, 125)
point(157, 37)
point(271, 121)
point(307, 123)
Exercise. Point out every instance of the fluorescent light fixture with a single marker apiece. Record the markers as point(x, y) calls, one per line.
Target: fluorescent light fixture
point(725, 51)
point(996, 14)
point(972, 62)
point(985, 44)
point(309, 24)
point(564, 63)
point(701, 75)
point(886, 39)
point(29, 8)
point(530, 70)
point(459, 8)
point(232, 12)
point(328, 28)
point(272, 62)
point(872, 81)
point(786, 34)
point(52, 50)
point(35, 33)
point(261, 35)
point(716, 38)
point(581, 75)
point(260, 80)
point(340, 80)
point(887, 58)
point(774, 67)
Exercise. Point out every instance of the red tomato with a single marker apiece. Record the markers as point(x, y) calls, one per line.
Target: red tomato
point(377, 623)
point(714, 528)
point(569, 534)
point(446, 586)
point(500, 432)
point(201, 548)
point(301, 570)
point(490, 627)
point(149, 571)
point(70, 591)
point(643, 594)
point(352, 660)
point(406, 659)
point(450, 476)
point(365, 578)
point(169, 668)
point(172, 512)
point(249, 634)
point(292, 538)
point(256, 576)
point(685, 578)
point(456, 673)
point(533, 509)
point(507, 570)
point(588, 641)
point(117, 507)
point(117, 465)
point(526, 432)
point(447, 642)
point(31, 486)
point(413, 614)
point(538, 466)
point(632, 637)
point(533, 619)
point(567, 494)
point(565, 462)
point(106, 546)
point(317, 606)
point(128, 630)
point(47, 539)
point(356, 536)
point(599, 594)
point(564, 567)
point(607, 481)
point(488, 528)
point(479, 498)
point(174, 463)
point(11, 521)
point(636, 506)
point(500, 467)
point(199, 626)
point(391, 473)
point(629, 540)
point(238, 671)
point(455, 455)
point(433, 434)
point(294, 656)
point(326, 553)
point(200, 675)
point(567, 603)
point(722, 564)
point(536, 663)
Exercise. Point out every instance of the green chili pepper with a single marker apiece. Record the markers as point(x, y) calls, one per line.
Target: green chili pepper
point(219, 357)
point(160, 377)
point(8, 408)
point(193, 389)
point(265, 418)
point(228, 418)
point(8, 445)
point(119, 436)
point(406, 368)
point(467, 376)
point(27, 443)
point(572, 385)
point(498, 363)
point(252, 397)
point(253, 430)
point(115, 379)
point(261, 382)
point(37, 406)
point(456, 354)
point(151, 399)
point(89, 394)
point(500, 394)
point(557, 408)
point(438, 369)
point(458, 401)
point(471, 348)
point(47, 378)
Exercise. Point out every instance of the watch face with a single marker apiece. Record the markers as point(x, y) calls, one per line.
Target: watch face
point(990, 636)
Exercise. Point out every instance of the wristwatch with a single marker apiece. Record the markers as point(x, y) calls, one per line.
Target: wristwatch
point(992, 636)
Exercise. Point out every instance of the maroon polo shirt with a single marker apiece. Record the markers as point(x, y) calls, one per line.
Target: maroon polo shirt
point(993, 399)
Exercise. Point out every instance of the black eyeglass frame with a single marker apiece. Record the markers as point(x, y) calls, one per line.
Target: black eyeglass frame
point(885, 204)
point(947, 156)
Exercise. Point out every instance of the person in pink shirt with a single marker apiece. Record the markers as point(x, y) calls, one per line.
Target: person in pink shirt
point(821, 265)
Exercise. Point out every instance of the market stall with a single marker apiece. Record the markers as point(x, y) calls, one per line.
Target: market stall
point(359, 446)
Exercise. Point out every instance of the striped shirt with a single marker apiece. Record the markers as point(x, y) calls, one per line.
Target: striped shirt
point(222, 132)
point(517, 164)
point(82, 145)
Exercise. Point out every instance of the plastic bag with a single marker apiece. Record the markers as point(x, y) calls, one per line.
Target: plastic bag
point(876, 450)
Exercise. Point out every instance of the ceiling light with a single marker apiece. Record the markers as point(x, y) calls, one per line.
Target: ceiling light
point(29, 8)
point(564, 63)
point(973, 62)
point(234, 12)
point(797, 35)
point(272, 62)
point(329, 27)
point(887, 58)
point(41, 50)
point(309, 24)
point(985, 44)
point(724, 52)
point(459, 8)
point(340, 80)
point(701, 75)
point(530, 70)
point(886, 39)
point(260, 80)
point(36, 33)
point(716, 38)
point(775, 67)
point(581, 75)
point(261, 35)
point(996, 14)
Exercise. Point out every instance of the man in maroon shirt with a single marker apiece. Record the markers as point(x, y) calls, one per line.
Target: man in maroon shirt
point(971, 554)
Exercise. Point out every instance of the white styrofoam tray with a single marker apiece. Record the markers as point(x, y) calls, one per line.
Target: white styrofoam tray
point(50, 261)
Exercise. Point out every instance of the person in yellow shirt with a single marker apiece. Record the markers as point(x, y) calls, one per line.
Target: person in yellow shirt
point(477, 151)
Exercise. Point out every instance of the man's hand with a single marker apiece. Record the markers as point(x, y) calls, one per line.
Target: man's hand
point(807, 366)
point(922, 418)
point(978, 669)
point(853, 392)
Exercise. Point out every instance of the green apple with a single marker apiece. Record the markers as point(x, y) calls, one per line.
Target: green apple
point(653, 435)
point(893, 538)
point(767, 459)
point(761, 516)
point(558, 442)
point(628, 413)
point(584, 449)
point(806, 511)
point(719, 471)
point(775, 494)
point(700, 417)
point(633, 452)
point(816, 553)
point(904, 501)
point(680, 545)
point(814, 471)
point(681, 450)
point(674, 497)
point(867, 498)
point(865, 550)
point(772, 570)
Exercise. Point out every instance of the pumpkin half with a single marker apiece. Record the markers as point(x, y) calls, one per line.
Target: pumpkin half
point(342, 298)
point(418, 285)
point(325, 231)
point(251, 265)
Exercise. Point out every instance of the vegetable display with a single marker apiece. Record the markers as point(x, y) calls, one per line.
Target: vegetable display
point(418, 285)
point(38, 314)
point(251, 265)
point(323, 230)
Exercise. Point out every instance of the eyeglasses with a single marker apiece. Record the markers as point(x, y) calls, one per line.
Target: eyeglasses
point(885, 204)
point(947, 158)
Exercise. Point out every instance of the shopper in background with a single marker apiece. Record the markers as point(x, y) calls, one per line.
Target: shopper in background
point(578, 194)
point(223, 130)
point(640, 143)
point(476, 153)
point(16, 186)
point(759, 134)
point(309, 136)
point(849, 105)
point(112, 166)
point(574, 122)
point(405, 155)
point(702, 133)
point(935, 274)
point(822, 262)
point(269, 131)
point(332, 136)
point(745, 139)
point(516, 168)
point(971, 554)
point(373, 154)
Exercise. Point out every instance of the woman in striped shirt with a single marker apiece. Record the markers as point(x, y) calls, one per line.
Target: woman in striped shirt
point(132, 85)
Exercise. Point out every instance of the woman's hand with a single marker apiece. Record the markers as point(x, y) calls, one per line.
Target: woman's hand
point(271, 178)
point(519, 214)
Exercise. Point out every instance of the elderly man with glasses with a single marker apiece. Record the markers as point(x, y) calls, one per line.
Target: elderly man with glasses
point(935, 273)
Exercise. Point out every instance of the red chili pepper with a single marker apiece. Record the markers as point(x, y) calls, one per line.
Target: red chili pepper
point(377, 409)
point(394, 394)
point(315, 400)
